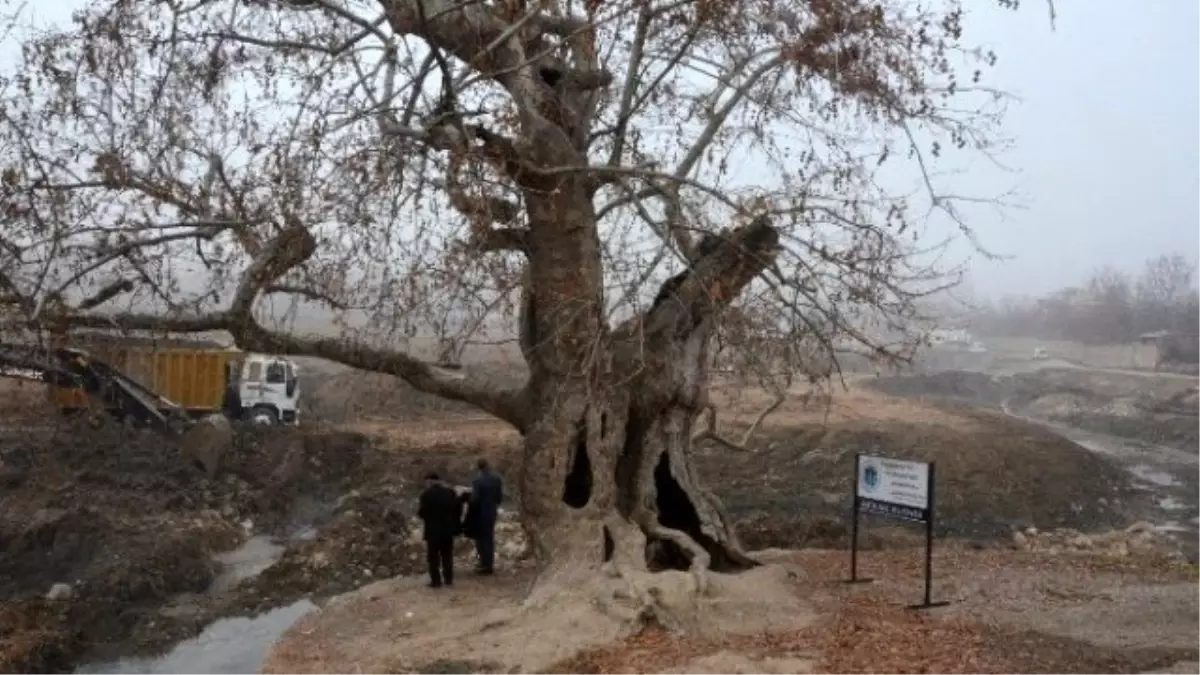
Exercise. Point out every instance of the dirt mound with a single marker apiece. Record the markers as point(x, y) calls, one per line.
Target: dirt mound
point(121, 520)
point(366, 539)
point(978, 388)
point(1003, 475)
point(1142, 408)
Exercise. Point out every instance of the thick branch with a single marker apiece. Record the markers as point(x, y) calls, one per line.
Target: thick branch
point(725, 264)
point(105, 294)
point(481, 212)
point(507, 404)
point(287, 250)
point(306, 292)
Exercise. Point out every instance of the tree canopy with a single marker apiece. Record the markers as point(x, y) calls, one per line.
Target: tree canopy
point(624, 187)
point(155, 150)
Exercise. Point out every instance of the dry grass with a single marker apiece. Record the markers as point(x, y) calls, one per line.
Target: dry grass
point(425, 434)
point(737, 408)
point(803, 407)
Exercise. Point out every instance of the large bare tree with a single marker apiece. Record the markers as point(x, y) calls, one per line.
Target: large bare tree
point(632, 183)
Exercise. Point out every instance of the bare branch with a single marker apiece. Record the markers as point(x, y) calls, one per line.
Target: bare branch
point(710, 431)
point(105, 294)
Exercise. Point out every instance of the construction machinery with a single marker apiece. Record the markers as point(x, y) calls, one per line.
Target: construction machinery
point(260, 388)
point(191, 393)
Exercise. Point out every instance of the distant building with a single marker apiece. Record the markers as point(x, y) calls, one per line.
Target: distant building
point(1164, 347)
point(950, 337)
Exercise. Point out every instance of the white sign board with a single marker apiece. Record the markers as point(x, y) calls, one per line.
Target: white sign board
point(893, 481)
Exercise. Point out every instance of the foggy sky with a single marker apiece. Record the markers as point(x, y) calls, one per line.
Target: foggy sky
point(1107, 139)
point(1106, 134)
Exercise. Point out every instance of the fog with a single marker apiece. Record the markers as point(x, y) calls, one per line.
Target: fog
point(1106, 138)
point(1105, 163)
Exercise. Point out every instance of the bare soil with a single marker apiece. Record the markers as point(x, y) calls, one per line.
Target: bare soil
point(1144, 407)
point(133, 529)
point(994, 474)
point(1010, 611)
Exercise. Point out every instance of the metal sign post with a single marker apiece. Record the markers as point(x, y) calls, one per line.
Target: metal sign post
point(900, 490)
point(854, 511)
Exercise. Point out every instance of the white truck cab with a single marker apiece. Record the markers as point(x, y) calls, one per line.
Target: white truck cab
point(264, 389)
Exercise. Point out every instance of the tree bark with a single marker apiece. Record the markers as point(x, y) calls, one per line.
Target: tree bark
point(607, 477)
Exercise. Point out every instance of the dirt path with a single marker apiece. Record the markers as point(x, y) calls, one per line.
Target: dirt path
point(1033, 365)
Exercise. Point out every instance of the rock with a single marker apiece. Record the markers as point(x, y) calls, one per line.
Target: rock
point(206, 442)
point(1081, 541)
point(344, 499)
point(1140, 527)
point(511, 549)
point(60, 592)
point(1118, 550)
point(1020, 541)
point(1031, 531)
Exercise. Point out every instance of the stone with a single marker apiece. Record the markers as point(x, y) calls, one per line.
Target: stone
point(1081, 541)
point(60, 591)
point(1140, 527)
point(1020, 541)
point(1031, 531)
point(1119, 550)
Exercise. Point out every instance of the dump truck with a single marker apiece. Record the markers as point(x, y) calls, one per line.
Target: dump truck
point(215, 387)
point(260, 388)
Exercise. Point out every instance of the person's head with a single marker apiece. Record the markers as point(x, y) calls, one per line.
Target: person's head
point(483, 465)
point(431, 478)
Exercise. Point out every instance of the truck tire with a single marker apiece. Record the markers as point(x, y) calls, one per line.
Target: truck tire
point(264, 416)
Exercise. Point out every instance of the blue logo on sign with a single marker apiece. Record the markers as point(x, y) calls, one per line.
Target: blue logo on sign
point(870, 477)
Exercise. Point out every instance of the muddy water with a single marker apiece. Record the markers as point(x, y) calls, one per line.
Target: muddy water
point(246, 561)
point(1168, 475)
point(232, 645)
point(229, 645)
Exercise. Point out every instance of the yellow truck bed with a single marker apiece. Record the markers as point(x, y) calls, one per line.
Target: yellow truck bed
point(193, 378)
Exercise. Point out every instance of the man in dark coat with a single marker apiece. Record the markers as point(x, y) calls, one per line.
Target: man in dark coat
point(439, 511)
point(487, 491)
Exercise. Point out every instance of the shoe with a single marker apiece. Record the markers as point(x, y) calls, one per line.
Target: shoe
point(433, 585)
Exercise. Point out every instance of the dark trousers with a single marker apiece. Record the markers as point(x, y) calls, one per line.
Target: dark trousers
point(439, 555)
point(485, 546)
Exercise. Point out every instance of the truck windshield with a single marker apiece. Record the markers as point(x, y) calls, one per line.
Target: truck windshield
point(276, 373)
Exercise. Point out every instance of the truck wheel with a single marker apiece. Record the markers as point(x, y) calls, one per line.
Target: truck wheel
point(264, 416)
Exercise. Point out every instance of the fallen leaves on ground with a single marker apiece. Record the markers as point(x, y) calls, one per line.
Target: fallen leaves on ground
point(863, 630)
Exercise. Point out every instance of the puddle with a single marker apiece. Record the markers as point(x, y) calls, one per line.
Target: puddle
point(232, 645)
point(1152, 475)
point(251, 558)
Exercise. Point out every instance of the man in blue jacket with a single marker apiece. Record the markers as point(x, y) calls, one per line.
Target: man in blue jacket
point(487, 491)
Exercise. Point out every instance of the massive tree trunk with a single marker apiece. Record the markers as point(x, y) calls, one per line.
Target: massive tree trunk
point(607, 478)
